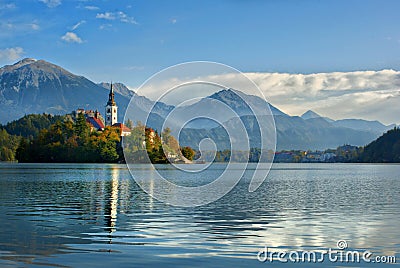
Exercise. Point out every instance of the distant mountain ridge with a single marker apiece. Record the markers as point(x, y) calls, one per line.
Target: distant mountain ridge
point(360, 124)
point(357, 124)
point(236, 100)
point(36, 86)
point(119, 88)
point(310, 115)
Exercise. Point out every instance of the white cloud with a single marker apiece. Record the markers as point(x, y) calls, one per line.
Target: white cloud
point(6, 26)
point(106, 16)
point(119, 15)
point(125, 18)
point(105, 26)
point(364, 94)
point(71, 37)
point(34, 26)
point(370, 95)
point(76, 26)
point(173, 21)
point(8, 6)
point(51, 3)
point(134, 68)
point(11, 54)
point(321, 85)
point(91, 7)
point(13, 27)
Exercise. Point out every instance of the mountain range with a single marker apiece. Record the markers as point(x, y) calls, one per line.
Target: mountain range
point(36, 86)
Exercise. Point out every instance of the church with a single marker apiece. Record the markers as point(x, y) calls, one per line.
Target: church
point(111, 109)
point(98, 123)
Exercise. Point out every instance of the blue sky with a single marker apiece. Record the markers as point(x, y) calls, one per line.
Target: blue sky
point(128, 41)
point(274, 36)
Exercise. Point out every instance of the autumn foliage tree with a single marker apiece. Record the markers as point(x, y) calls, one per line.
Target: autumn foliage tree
point(188, 152)
point(8, 145)
point(71, 142)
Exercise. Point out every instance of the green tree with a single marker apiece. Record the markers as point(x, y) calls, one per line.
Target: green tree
point(8, 146)
point(23, 150)
point(129, 123)
point(188, 152)
point(385, 149)
point(30, 125)
point(109, 140)
point(82, 129)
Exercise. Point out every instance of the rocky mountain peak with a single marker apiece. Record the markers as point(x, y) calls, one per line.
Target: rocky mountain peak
point(24, 62)
point(309, 115)
point(17, 65)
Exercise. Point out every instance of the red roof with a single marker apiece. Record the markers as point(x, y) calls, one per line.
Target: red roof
point(122, 127)
point(95, 122)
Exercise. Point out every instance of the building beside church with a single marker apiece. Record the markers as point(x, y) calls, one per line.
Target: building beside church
point(95, 123)
point(94, 118)
point(124, 130)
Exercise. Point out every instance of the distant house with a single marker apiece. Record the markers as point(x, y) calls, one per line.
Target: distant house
point(318, 157)
point(124, 130)
point(172, 156)
point(313, 156)
point(347, 148)
point(326, 157)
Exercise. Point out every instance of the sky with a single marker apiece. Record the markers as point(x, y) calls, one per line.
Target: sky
point(336, 45)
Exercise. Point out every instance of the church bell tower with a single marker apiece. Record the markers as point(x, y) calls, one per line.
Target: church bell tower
point(111, 109)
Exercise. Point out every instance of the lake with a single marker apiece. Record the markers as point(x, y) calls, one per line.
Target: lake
point(78, 215)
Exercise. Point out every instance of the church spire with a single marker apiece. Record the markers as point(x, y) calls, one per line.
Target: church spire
point(111, 100)
point(111, 108)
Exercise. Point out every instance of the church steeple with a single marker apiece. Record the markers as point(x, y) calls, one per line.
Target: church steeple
point(111, 109)
point(111, 100)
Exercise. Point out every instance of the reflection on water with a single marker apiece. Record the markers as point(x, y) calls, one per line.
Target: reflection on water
point(112, 201)
point(77, 215)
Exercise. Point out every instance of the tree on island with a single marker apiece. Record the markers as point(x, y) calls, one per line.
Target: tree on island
point(188, 153)
point(386, 149)
point(71, 142)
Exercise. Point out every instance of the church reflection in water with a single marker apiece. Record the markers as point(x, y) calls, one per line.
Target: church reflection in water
point(111, 202)
point(117, 198)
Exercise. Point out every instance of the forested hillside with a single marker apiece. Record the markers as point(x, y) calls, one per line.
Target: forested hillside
point(386, 149)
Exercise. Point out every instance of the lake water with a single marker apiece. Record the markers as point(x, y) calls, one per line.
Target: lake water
point(79, 215)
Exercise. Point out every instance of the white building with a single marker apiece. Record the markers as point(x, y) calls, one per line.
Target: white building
point(111, 109)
